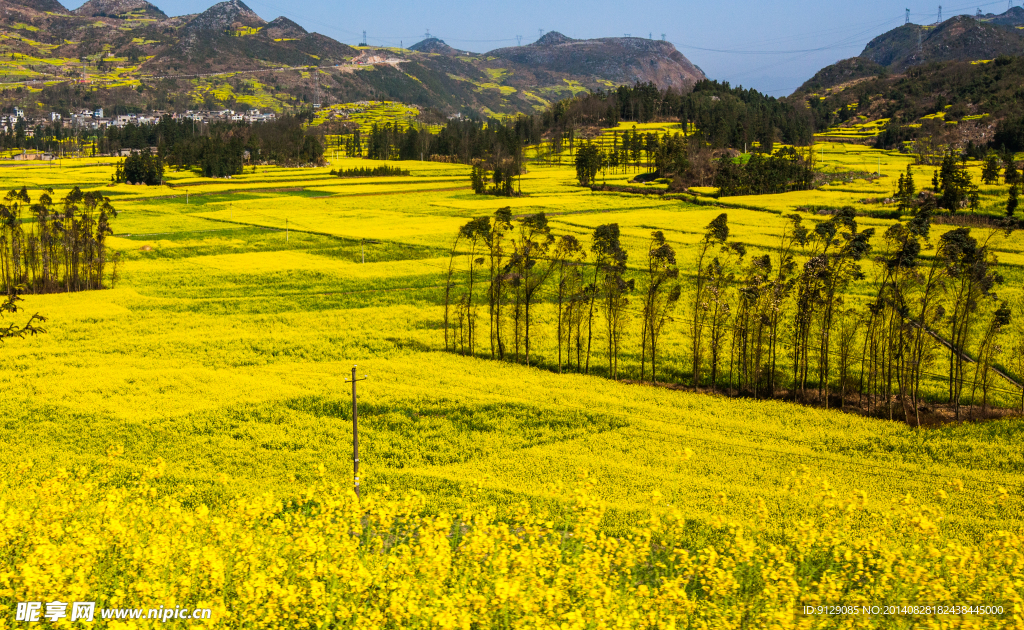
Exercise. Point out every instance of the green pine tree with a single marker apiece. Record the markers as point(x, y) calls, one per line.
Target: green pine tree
point(1011, 175)
point(990, 174)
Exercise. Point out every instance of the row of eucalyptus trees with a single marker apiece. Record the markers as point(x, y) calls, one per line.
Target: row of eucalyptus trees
point(49, 246)
point(826, 315)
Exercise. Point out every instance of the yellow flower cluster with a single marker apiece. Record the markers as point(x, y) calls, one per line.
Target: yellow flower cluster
point(330, 560)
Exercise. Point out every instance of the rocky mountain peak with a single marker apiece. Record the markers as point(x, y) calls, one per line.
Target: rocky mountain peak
point(553, 38)
point(433, 45)
point(118, 8)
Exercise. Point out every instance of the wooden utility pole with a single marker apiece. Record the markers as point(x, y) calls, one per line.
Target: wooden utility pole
point(355, 427)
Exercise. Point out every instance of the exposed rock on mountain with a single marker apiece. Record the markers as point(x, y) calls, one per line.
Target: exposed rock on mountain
point(435, 46)
point(1013, 17)
point(283, 28)
point(42, 5)
point(120, 8)
point(960, 38)
point(614, 59)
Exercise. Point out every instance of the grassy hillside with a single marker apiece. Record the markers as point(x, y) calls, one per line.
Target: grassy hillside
point(130, 56)
point(958, 102)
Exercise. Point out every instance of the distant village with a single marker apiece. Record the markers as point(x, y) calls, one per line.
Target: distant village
point(84, 121)
point(95, 119)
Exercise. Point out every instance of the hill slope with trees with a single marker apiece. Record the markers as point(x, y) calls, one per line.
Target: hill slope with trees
point(129, 55)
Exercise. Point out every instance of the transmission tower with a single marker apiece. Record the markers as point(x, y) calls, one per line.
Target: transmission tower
point(650, 35)
point(978, 14)
point(519, 40)
point(540, 33)
point(908, 17)
point(662, 37)
point(363, 43)
point(427, 36)
point(627, 34)
point(940, 15)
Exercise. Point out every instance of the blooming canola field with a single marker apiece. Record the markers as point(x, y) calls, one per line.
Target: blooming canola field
point(200, 404)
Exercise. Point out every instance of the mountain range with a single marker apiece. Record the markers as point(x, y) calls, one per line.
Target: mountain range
point(130, 55)
point(959, 38)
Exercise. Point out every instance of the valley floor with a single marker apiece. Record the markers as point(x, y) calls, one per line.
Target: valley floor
point(224, 346)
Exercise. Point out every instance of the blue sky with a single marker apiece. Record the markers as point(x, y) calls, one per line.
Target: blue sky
point(771, 46)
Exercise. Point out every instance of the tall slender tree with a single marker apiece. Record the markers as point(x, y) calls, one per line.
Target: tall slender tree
point(715, 235)
point(661, 292)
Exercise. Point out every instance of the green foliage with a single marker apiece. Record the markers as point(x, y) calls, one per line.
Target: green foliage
point(462, 141)
point(589, 160)
point(220, 149)
point(1010, 175)
point(906, 190)
point(373, 171)
point(477, 177)
point(1010, 133)
point(990, 174)
point(955, 187)
point(727, 116)
point(893, 136)
point(63, 247)
point(903, 98)
point(141, 167)
point(30, 328)
point(783, 171)
point(503, 175)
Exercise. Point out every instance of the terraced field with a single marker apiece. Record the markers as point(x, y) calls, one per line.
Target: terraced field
point(243, 304)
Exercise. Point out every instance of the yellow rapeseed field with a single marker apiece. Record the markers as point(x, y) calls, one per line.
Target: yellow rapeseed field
point(326, 559)
point(184, 438)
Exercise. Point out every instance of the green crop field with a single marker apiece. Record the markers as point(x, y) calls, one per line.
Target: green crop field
point(242, 305)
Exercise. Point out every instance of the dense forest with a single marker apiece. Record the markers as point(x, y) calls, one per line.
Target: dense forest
point(219, 149)
point(727, 116)
point(723, 117)
point(460, 140)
